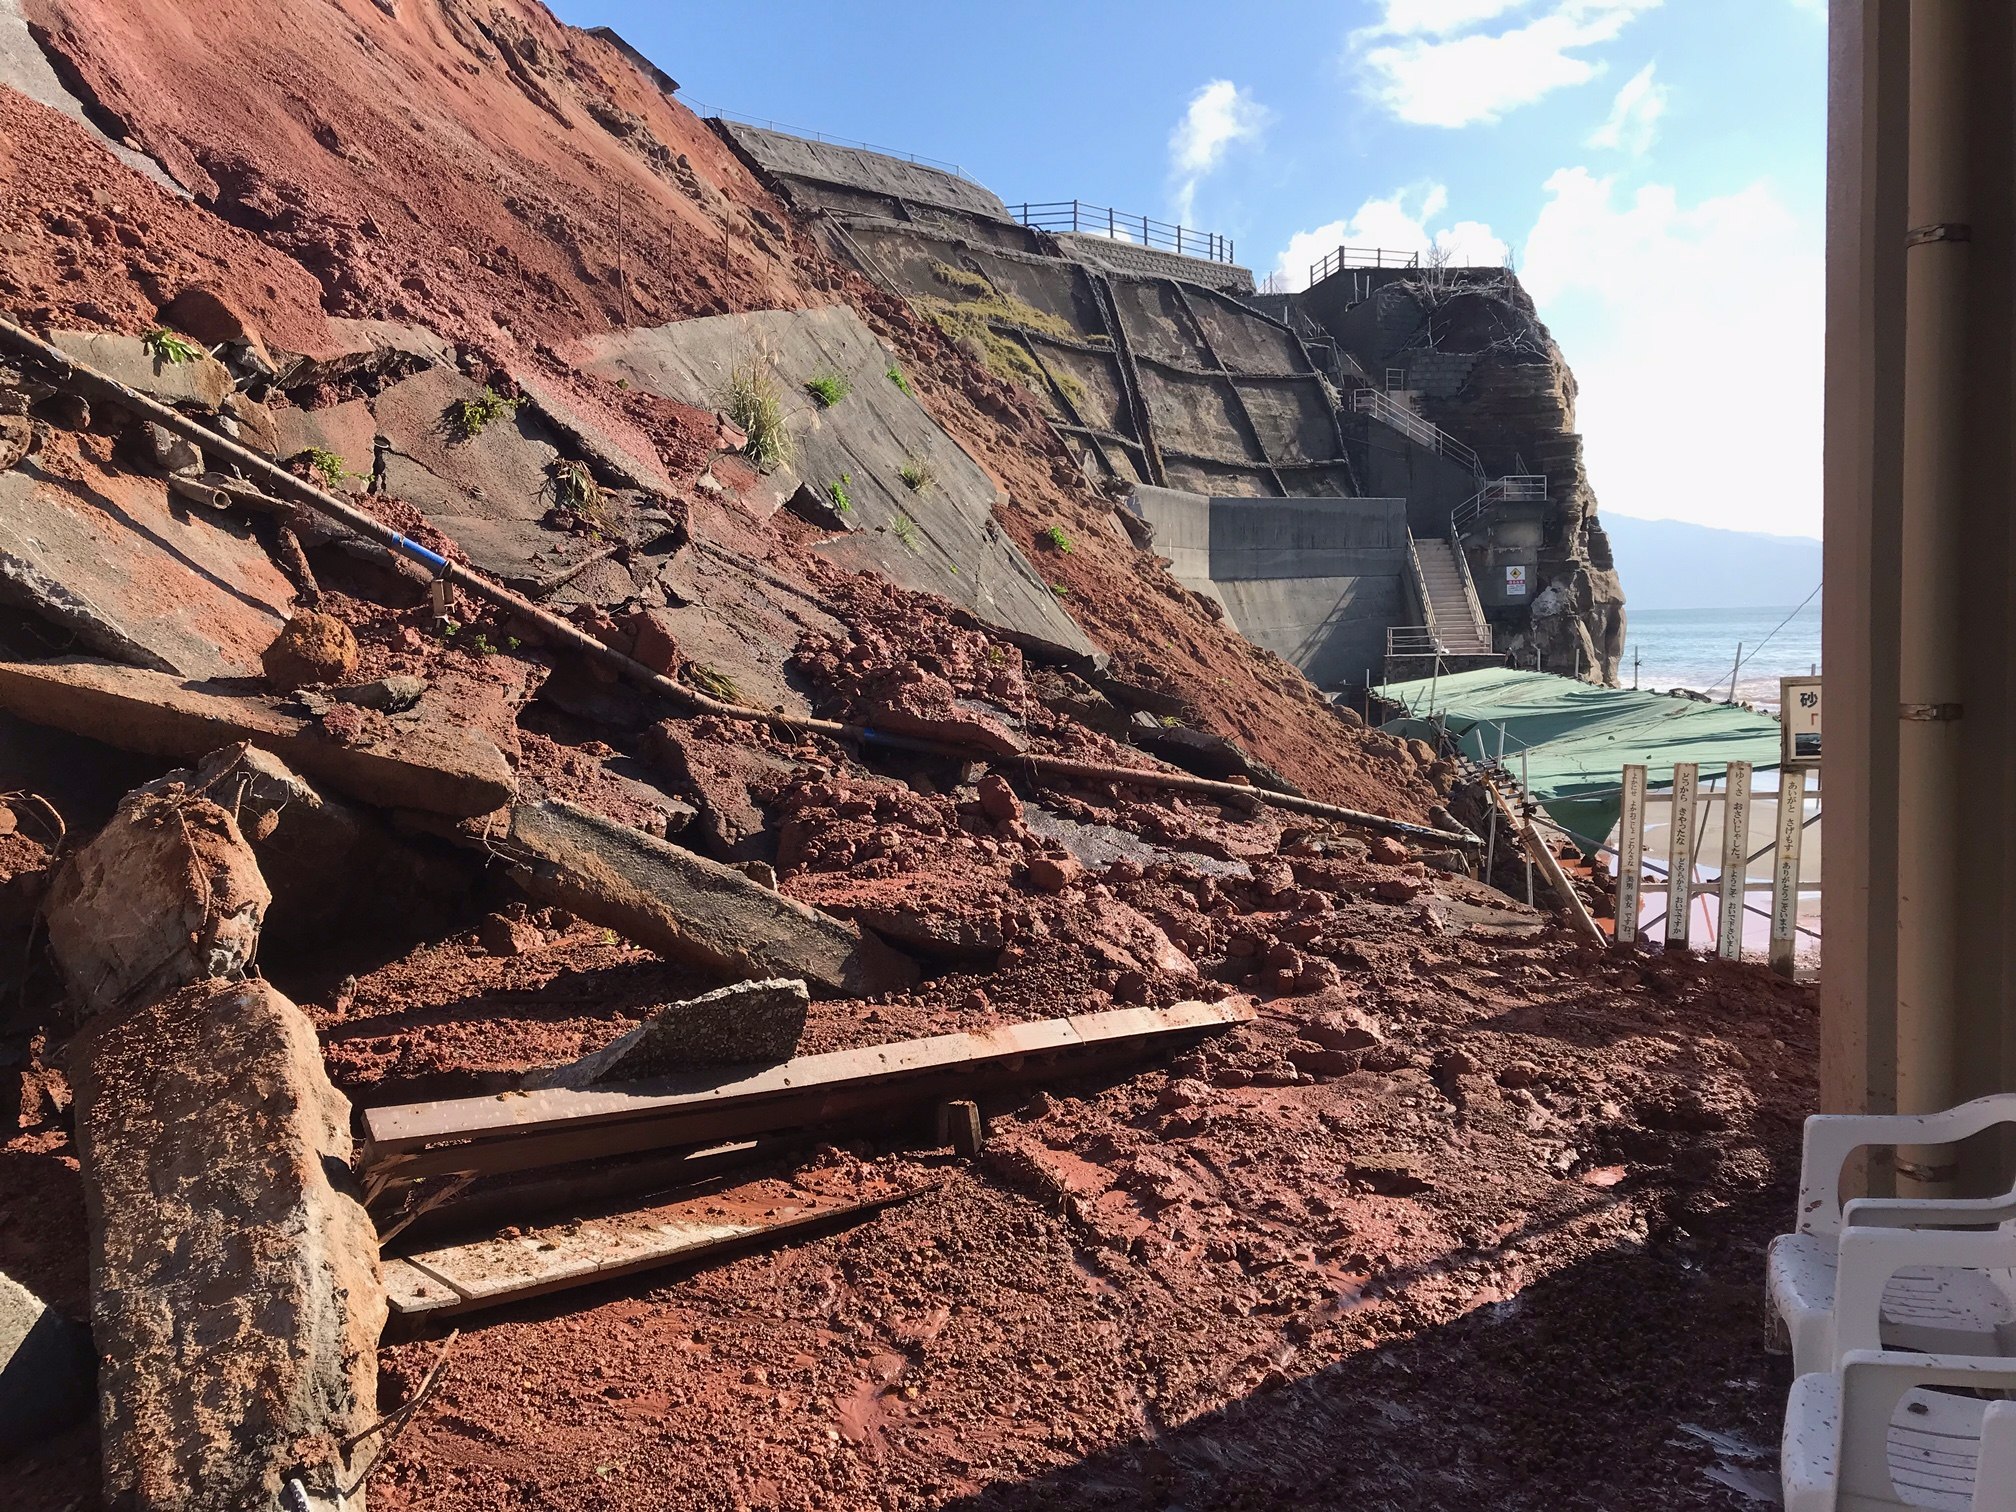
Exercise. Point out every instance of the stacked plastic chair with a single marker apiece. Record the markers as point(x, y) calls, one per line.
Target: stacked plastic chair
point(1901, 1316)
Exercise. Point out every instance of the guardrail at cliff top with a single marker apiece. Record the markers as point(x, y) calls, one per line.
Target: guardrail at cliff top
point(1360, 257)
point(1099, 220)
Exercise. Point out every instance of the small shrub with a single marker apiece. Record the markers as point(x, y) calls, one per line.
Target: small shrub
point(470, 416)
point(716, 684)
point(843, 501)
point(996, 656)
point(916, 475)
point(1060, 590)
point(829, 388)
point(1055, 538)
point(326, 465)
point(163, 345)
point(575, 488)
point(895, 376)
point(756, 405)
point(905, 530)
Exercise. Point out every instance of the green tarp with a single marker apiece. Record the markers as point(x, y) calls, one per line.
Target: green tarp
point(1577, 738)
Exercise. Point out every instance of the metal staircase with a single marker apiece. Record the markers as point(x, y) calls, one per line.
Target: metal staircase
point(1455, 616)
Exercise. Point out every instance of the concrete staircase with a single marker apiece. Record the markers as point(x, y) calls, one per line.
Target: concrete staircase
point(1453, 611)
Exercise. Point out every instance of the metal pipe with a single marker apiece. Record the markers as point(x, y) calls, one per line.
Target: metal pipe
point(1932, 566)
point(556, 629)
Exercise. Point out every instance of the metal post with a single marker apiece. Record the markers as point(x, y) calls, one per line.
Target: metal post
point(1525, 797)
point(1735, 870)
point(1631, 854)
point(1733, 672)
point(1112, 231)
point(1179, 241)
point(1680, 854)
point(1785, 871)
point(1634, 669)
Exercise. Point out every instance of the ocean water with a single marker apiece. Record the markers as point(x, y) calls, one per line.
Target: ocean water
point(1695, 648)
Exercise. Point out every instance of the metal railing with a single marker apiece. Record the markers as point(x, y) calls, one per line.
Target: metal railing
point(1384, 408)
point(1360, 257)
point(1273, 283)
point(1412, 640)
point(1100, 220)
point(1478, 623)
point(1518, 488)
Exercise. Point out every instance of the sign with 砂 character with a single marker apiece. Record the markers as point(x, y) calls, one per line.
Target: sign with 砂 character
point(1799, 714)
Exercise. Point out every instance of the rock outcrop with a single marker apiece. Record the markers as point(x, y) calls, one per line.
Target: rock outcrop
point(234, 1277)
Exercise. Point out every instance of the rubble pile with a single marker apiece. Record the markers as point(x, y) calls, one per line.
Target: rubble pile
point(401, 723)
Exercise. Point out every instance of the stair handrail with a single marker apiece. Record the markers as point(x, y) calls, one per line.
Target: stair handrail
point(1513, 488)
point(1421, 594)
point(1478, 623)
point(1382, 407)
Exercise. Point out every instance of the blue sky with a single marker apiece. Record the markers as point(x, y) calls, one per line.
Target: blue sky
point(1655, 168)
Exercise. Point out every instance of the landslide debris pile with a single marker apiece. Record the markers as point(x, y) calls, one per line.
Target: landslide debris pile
point(687, 694)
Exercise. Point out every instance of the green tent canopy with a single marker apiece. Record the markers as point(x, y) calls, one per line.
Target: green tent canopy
point(1577, 738)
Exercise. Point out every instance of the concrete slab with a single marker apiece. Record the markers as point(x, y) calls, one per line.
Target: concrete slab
point(491, 492)
point(939, 539)
point(347, 429)
point(688, 908)
point(46, 1365)
point(135, 574)
point(745, 1023)
point(434, 767)
point(201, 383)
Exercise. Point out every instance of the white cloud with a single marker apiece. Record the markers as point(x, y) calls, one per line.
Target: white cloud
point(1419, 68)
point(1397, 223)
point(1634, 116)
point(1662, 309)
point(1408, 17)
point(1218, 115)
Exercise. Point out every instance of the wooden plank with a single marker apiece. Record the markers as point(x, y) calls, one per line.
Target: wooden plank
point(1785, 870)
point(1680, 872)
point(458, 1278)
point(1735, 854)
point(1631, 854)
point(524, 1131)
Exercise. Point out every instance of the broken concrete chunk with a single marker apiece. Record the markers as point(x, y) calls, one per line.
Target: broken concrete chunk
point(45, 1369)
point(430, 765)
point(312, 648)
point(201, 381)
point(388, 695)
point(748, 1023)
point(167, 452)
point(168, 893)
point(688, 908)
point(235, 1293)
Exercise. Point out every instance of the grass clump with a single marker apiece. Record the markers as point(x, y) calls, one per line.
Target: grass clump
point(965, 281)
point(895, 376)
point(1055, 539)
point(469, 417)
point(905, 530)
point(916, 475)
point(1060, 590)
point(327, 467)
point(755, 403)
point(836, 492)
point(165, 346)
point(829, 388)
point(715, 684)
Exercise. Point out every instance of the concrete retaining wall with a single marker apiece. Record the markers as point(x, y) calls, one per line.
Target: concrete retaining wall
point(1317, 581)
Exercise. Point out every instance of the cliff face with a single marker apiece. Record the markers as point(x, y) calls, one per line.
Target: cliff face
point(1481, 364)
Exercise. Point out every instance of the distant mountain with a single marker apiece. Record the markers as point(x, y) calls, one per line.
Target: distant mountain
point(1669, 564)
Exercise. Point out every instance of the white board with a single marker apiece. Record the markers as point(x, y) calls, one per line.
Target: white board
point(1735, 855)
point(1680, 878)
point(1631, 854)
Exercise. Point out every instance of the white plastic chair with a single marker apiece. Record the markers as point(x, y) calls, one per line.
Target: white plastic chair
point(1878, 1434)
point(1927, 1304)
